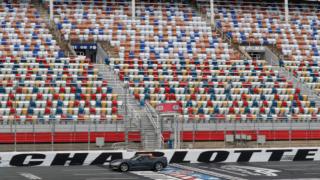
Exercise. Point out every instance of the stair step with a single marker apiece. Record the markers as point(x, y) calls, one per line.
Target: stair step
point(149, 140)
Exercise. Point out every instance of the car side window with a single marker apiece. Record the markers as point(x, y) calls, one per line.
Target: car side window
point(148, 158)
point(144, 158)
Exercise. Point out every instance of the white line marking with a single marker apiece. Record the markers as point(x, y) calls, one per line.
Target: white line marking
point(85, 170)
point(279, 165)
point(30, 176)
point(303, 169)
point(222, 170)
point(211, 173)
point(251, 170)
point(154, 175)
point(9, 177)
point(108, 178)
point(311, 173)
point(301, 179)
point(94, 174)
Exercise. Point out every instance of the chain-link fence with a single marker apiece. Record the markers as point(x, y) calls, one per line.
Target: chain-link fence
point(193, 133)
point(64, 135)
point(222, 133)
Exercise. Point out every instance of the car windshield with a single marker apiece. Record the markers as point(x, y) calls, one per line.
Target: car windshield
point(136, 157)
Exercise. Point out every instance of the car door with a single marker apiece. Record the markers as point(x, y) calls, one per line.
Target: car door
point(149, 162)
point(139, 164)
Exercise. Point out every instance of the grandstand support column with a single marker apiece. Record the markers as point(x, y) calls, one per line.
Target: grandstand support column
point(212, 12)
point(133, 9)
point(126, 86)
point(51, 11)
point(286, 10)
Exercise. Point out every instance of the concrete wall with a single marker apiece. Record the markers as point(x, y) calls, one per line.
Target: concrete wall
point(69, 158)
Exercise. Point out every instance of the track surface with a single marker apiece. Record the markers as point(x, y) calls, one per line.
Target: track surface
point(264, 171)
point(261, 171)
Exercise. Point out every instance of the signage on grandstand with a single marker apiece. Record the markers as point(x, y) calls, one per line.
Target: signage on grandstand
point(169, 108)
point(84, 46)
point(70, 158)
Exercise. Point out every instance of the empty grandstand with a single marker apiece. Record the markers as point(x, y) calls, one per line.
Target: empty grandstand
point(75, 70)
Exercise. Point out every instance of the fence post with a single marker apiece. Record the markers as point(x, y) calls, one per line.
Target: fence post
point(257, 132)
point(273, 132)
point(235, 126)
point(15, 135)
point(224, 133)
point(193, 133)
point(196, 129)
point(181, 130)
point(309, 132)
point(74, 132)
point(89, 134)
point(52, 133)
point(290, 133)
point(126, 128)
point(217, 130)
point(34, 135)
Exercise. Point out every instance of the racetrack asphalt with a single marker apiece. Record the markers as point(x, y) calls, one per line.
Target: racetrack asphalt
point(237, 171)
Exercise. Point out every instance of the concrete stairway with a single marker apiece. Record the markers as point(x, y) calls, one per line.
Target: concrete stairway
point(142, 117)
point(244, 54)
point(149, 137)
point(273, 59)
point(151, 130)
point(139, 116)
point(65, 46)
point(130, 122)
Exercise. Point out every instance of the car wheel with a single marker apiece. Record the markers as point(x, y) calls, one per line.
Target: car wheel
point(158, 166)
point(124, 167)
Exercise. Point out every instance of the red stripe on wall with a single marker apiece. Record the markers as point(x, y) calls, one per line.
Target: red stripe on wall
point(82, 137)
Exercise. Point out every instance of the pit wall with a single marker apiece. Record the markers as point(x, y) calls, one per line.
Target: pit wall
point(70, 158)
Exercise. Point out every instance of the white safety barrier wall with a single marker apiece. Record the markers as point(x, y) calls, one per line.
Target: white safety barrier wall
point(69, 158)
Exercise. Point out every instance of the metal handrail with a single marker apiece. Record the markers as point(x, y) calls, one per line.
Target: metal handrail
point(155, 123)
